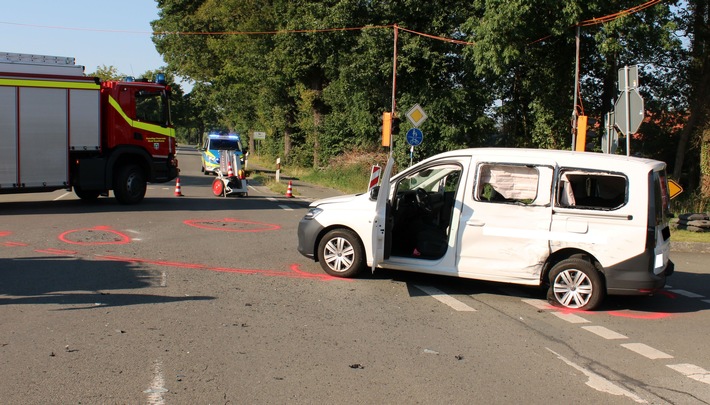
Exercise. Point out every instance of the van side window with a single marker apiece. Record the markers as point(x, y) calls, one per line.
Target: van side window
point(507, 183)
point(591, 190)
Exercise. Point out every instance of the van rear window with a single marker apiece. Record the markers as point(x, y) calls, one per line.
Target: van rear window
point(591, 190)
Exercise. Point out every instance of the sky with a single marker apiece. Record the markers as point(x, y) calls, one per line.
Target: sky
point(96, 32)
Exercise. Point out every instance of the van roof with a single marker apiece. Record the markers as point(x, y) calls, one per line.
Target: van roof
point(561, 157)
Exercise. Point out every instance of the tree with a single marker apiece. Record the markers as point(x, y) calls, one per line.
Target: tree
point(696, 130)
point(316, 75)
point(104, 73)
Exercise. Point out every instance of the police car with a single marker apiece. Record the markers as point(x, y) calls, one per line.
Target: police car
point(213, 143)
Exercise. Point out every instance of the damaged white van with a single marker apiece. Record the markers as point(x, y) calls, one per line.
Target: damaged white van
point(582, 224)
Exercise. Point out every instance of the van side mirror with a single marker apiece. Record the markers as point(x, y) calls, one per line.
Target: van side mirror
point(374, 192)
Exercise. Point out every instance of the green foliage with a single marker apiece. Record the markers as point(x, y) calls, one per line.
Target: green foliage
point(105, 73)
point(276, 66)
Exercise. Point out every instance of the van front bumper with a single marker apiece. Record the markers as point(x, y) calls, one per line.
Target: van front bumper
point(308, 231)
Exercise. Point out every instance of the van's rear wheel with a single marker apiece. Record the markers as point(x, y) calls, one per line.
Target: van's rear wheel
point(340, 253)
point(576, 284)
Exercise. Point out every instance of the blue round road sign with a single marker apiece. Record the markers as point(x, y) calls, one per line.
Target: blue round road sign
point(415, 136)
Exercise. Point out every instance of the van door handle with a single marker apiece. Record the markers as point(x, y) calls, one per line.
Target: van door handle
point(475, 222)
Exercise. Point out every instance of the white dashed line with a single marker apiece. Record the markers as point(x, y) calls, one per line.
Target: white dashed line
point(157, 386)
point(285, 207)
point(445, 298)
point(539, 304)
point(571, 318)
point(647, 351)
point(686, 293)
point(607, 334)
point(61, 196)
point(706, 301)
point(692, 371)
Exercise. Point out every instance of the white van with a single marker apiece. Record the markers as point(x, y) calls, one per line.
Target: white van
point(583, 224)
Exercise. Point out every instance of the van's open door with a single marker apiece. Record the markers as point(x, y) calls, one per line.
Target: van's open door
point(379, 224)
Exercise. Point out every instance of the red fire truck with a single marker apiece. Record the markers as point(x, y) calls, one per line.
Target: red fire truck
point(60, 129)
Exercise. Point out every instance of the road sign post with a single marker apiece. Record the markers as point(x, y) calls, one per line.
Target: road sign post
point(628, 109)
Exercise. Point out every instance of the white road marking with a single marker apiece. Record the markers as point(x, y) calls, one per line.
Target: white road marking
point(445, 298)
point(157, 387)
point(163, 279)
point(272, 199)
point(600, 383)
point(604, 332)
point(285, 207)
point(686, 293)
point(692, 371)
point(539, 304)
point(61, 196)
point(706, 301)
point(571, 318)
point(646, 351)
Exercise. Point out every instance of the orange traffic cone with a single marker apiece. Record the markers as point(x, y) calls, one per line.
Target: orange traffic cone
point(289, 190)
point(178, 193)
point(230, 172)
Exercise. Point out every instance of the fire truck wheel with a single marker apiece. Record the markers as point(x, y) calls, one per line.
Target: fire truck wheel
point(86, 195)
point(129, 184)
point(218, 187)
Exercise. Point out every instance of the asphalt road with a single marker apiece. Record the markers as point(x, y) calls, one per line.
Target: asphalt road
point(203, 300)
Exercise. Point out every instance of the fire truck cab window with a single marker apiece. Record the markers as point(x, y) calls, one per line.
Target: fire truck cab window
point(151, 107)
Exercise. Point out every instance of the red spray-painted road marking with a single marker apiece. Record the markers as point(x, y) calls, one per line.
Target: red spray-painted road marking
point(118, 237)
point(294, 273)
point(5, 233)
point(620, 314)
point(231, 225)
point(636, 315)
point(53, 251)
point(14, 244)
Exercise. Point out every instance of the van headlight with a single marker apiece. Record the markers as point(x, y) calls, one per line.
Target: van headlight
point(312, 213)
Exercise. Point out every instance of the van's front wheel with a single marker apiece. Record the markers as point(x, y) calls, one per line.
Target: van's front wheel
point(341, 254)
point(576, 284)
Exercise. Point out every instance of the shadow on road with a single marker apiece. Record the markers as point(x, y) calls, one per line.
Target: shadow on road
point(76, 282)
point(665, 301)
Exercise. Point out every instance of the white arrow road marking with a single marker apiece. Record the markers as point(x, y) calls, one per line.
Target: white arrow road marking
point(600, 383)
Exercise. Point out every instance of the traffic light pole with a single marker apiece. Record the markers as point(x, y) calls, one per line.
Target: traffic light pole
point(576, 92)
point(394, 84)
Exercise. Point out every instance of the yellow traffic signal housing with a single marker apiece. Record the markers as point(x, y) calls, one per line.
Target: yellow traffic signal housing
point(581, 133)
point(386, 128)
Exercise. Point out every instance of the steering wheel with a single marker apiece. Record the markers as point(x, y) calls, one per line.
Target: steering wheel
point(423, 200)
